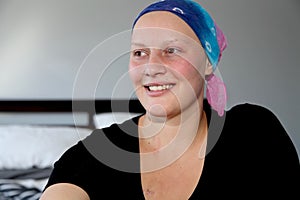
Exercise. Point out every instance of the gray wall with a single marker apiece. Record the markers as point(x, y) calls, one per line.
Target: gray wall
point(44, 43)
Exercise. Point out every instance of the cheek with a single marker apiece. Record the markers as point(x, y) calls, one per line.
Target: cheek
point(188, 71)
point(135, 72)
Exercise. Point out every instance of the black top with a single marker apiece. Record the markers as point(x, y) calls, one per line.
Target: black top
point(249, 154)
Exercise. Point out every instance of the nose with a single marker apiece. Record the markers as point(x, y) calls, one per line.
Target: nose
point(155, 65)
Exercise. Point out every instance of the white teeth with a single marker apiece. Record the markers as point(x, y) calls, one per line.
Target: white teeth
point(160, 87)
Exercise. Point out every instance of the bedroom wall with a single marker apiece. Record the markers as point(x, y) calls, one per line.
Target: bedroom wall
point(46, 51)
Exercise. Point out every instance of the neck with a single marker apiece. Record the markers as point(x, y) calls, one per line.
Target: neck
point(163, 141)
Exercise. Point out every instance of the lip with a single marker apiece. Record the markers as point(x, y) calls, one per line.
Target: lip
point(157, 93)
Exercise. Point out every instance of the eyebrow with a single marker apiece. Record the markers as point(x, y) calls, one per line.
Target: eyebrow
point(165, 42)
point(137, 44)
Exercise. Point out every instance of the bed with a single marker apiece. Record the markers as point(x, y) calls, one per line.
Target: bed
point(35, 133)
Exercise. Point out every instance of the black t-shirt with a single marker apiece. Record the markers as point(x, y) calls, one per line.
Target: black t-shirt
point(249, 154)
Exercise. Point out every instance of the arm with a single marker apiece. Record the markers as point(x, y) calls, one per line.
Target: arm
point(64, 191)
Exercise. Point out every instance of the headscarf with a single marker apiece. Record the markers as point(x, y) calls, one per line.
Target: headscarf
point(211, 38)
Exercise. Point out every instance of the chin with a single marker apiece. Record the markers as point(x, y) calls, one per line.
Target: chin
point(162, 110)
point(159, 106)
point(157, 114)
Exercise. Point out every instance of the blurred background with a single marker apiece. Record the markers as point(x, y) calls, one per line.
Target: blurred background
point(48, 51)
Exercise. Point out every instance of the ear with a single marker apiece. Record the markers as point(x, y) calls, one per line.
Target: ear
point(209, 68)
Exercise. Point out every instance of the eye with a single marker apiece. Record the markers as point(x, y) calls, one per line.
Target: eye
point(171, 50)
point(139, 53)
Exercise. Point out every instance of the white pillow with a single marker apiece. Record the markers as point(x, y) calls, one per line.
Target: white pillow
point(25, 146)
point(103, 120)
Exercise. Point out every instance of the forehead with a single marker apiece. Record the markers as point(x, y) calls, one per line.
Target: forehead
point(160, 24)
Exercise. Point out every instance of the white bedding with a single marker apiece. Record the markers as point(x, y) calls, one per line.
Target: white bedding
point(102, 120)
point(26, 146)
point(26, 149)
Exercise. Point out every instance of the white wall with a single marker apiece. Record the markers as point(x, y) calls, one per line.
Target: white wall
point(43, 44)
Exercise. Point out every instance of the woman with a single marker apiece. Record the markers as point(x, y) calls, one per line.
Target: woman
point(180, 148)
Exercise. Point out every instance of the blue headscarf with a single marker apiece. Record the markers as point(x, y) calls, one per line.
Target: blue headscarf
point(209, 34)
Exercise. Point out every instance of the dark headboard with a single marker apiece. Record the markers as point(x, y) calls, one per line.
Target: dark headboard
point(56, 106)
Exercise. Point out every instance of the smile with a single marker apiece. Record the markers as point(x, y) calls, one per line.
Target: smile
point(159, 87)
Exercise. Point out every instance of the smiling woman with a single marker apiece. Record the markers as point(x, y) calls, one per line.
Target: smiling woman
point(168, 61)
point(184, 146)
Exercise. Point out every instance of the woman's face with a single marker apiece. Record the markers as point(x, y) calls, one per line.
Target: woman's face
point(167, 64)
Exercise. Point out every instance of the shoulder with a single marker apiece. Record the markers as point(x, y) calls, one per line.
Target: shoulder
point(261, 130)
point(122, 135)
point(243, 112)
point(256, 148)
point(253, 115)
point(256, 120)
point(95, 160)
point(246, 118)
point(250, 110)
